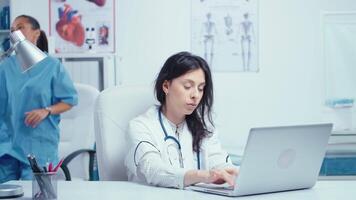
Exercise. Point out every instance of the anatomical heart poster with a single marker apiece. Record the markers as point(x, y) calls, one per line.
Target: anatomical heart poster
point(83, 26)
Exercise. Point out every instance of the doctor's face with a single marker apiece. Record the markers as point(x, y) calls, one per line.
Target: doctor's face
point(183, 94)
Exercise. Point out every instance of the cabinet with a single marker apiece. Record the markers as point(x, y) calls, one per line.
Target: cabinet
point(4, 24)
point(4, 40)
point(97, 70)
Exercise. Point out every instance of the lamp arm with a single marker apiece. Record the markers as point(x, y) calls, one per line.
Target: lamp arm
point(8, 52)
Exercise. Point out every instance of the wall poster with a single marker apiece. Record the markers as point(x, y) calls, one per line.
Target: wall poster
point(85, 26)
point(225, 33)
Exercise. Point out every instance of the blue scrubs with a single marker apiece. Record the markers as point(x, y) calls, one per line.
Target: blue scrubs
point(46, 84)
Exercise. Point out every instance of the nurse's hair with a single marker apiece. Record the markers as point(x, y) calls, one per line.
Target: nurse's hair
point(42, 42)
point(176, 66)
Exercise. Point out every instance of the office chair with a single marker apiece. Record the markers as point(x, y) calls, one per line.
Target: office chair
point(77, 135)
point(114, 109)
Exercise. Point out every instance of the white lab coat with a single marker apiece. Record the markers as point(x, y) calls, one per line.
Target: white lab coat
point(148, 161)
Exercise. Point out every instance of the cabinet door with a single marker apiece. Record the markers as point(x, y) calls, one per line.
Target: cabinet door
point(86, 70)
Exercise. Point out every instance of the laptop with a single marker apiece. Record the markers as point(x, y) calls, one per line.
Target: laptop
point(277, 159)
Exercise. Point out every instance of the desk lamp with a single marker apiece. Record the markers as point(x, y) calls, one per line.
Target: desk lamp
point(28, 55)
point(26, 52)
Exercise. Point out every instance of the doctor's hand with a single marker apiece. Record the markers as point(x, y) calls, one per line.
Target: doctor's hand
point(216, 176)
point(221, 176)
point(34, 117)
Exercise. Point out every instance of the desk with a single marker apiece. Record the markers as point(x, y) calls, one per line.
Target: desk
point(110, 190)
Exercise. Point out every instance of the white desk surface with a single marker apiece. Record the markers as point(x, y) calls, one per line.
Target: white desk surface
point(85, 190)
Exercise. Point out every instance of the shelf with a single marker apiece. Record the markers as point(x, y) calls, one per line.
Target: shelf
point(342, 137)
point(344, 132)
point(82, 55)
point(4, 31)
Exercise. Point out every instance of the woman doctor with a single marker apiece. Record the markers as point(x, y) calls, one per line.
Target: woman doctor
point(174, 144)
point(30, 107)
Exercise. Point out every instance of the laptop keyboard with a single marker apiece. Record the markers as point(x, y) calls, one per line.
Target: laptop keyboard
point(224, 186)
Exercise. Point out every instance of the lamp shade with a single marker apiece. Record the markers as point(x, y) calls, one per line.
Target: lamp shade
point(26, 52)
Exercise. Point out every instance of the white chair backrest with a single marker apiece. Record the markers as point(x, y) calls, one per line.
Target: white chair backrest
point(115, 107)
point(77, 130)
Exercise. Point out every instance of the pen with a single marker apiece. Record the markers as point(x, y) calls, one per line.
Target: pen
point(58, 165)
point(50, 166)
point(33, 164)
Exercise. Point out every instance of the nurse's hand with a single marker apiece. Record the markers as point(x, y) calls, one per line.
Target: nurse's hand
point(34, 117)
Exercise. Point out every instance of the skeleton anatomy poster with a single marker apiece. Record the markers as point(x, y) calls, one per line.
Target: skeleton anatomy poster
point(82, 26)
point(225, 33)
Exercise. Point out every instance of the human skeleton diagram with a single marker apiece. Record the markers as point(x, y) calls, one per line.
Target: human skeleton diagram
point(247, 34)
point(209, 33)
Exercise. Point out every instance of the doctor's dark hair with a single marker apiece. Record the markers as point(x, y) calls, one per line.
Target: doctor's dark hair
point(176, 66)
point(42, 42)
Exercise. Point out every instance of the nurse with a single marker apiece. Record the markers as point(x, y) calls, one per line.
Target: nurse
point(174, 144)
point(30, 107)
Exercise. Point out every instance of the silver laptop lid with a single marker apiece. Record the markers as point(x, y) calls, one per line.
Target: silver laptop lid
point(282, 158)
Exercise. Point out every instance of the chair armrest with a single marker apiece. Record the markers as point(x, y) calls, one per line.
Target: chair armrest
point(71, 156)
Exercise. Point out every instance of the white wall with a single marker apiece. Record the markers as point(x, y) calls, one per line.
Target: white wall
point(148, 32)
point(35, 8)
point(289, 89)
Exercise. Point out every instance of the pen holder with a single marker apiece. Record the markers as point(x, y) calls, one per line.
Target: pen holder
point(44, 186)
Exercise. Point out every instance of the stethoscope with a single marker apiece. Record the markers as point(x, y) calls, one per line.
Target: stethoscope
point(166, 138)
point(169, 137)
